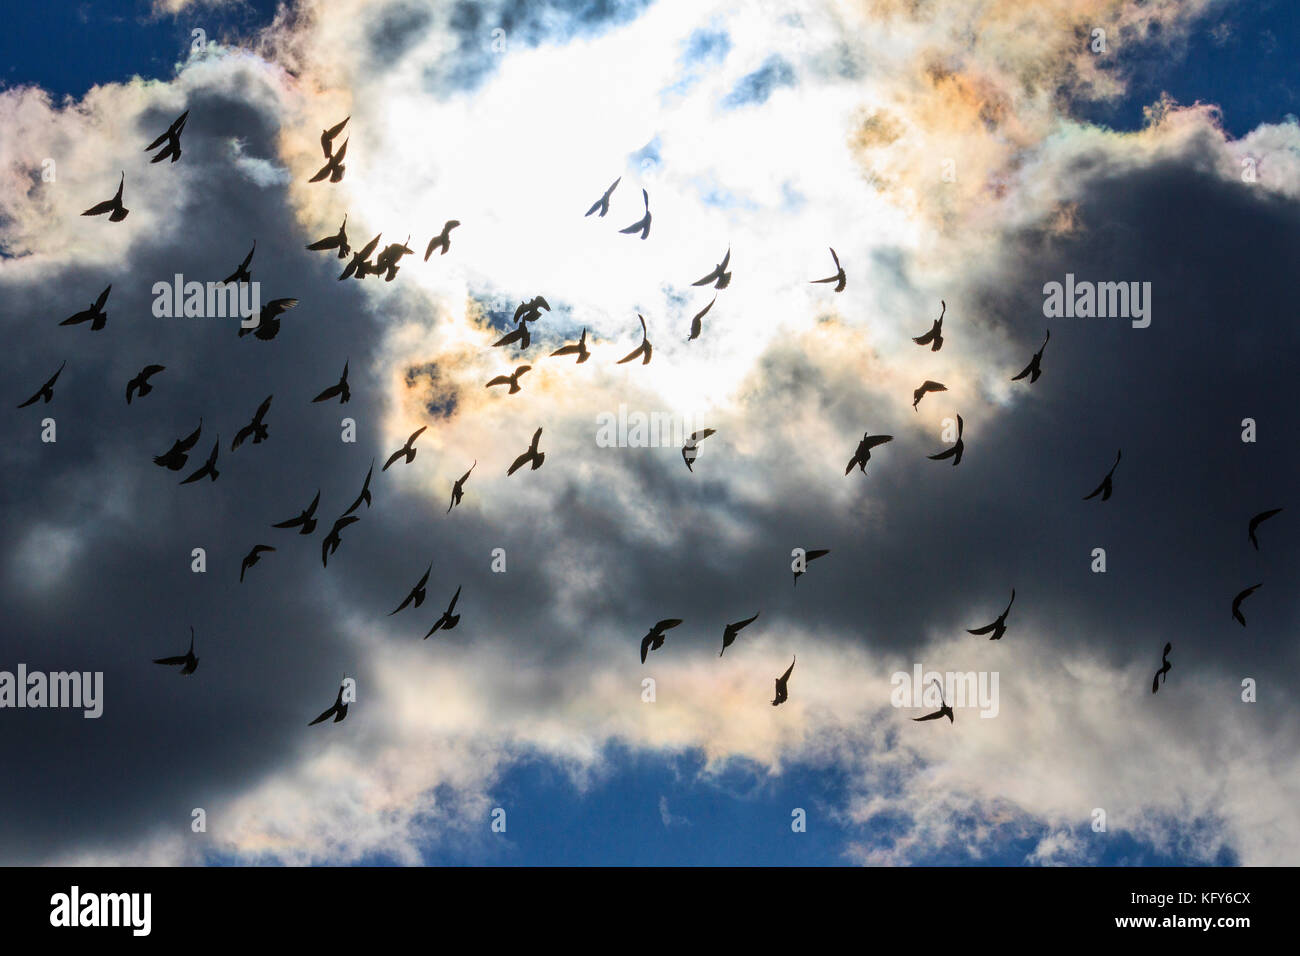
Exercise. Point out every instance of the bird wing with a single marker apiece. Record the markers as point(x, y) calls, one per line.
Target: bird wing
point(875, 440)
point(499, 380)
point(179, 659)
point(982, 630)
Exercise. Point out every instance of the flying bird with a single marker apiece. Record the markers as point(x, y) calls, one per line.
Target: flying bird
point(140, 384)
point(601, 205)
point(809, 556)
point(95, 315)
point(1165, 667)
point(690, 450)
point(114, 206)
point(934, 338)
point(387, 260)
point(1034, 368)
point(46, 392)
point(782, 694)
point(209, 468)
point(730, 632)
point(458, 487)
point(998, 627)
point(442, 240)
point(333, 167)
point(241, 273)
point(532, 455)
point(187, 661)
point(417, 592)
point(337, 241)
point(1236, 602)
point(172, 137)
point(579, 349)
point(448, 620)
point(330, 543)
point(268, 320)
point(512, 379)
point(697, 324)
point(338, 710)
point(644, 349)
point(340, 390)
point(531, 310)
point(943, 711)
point(306, 520)
point(518, 334)
point(407, 451)
point(1104, 489)
point(256, 428)
point(926, 387)
point(720, 277)
point(1255, 522)
point(175, 457)
point(327, 137)
point(956, 450)
point(654, 638)
point(365, 491)
point(862, 454)
point(252, 558)
point(840, 279)
point(642, 225)
point(357, 265)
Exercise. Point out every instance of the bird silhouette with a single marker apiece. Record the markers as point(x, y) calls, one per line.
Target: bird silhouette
point(95, 315)
point(333, 168)
point(519, 333)
point(720, 277)
point(172, 137)
point(252, 558)
point(956, 450)
point(1104, 489)
point(407, 451)
point(175, 457)
point(531, 455)
point(1236, 602)
point(139, 385)
point(241, 273)
point(338, 710)
point(643, 350)
point(1034, 368)
point(337, 241)
point(386, 263)
point(697, 321)
point(268, 320)
point(730, 632)
point(417, 592)
point(578, 348)
point(306, 520)
point(782, 694)
point(330, 543)
point(1165, 667)
point(862, 454)
point(654, 638)
point(531, 309)
point(690, 451)
point(809, 557)
point(998, 627)
point(934, 338)
point(357, 266)
point(448, 620)
point(365, 491)
point(117, 212)
point(46, 392)
point(458, 487)
point(925, 388)
point(642, 225)
point(1255, 522)
point(339, 390)
point(442, 240)
point(256, 429)
point(327, 137)
point(209, 468)
point(943, 711)
point(512, 379)
point(601, 205)
point(187, 661)
point(840, 279)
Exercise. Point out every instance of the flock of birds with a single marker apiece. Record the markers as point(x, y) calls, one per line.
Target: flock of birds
point(386, 263)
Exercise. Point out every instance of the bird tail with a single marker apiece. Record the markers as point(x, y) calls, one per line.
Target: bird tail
point(537, 462)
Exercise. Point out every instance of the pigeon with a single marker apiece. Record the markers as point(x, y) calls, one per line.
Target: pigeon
point(643, 350)
point(407, 451)
point(458, 487)
point(782, 694)
point(1104, 488)
point(448, 620)
point(579, 349)
point(172, 137)
point(642, 225)
point(252, 558)
point(256, 428)
point(926, 387)
point(327, 137)
point(697, 323)
point(365, 491)
point(118, 212)
point(306, 520)
point(268, 320)
point(689, 450)
point(139, 385)
point(531, 455)
point(175, 457)
point(730, 632)
point(1034, 368)
point(809, 556)
point(241, 273)
point(46, 392)
point(999, 626)
point(943, 711)
point(531, 310)
point(340, 390)
point(337, 241)
point(208, 468)
point(839, 278)
point(512, 379)
point(333, 168)
point(417, 593)
point(654, 638)
point(862, 454)
point(338, 710)
point(719, 277)
point(1255, 522)
point(95, 315)
point(330, 543)
point(357, 266)
point(956, 450)
point(601, 205)
point(1236, 602)
point(187, 661)
point(1165, 666)
point(934, 338)
point(442, 240)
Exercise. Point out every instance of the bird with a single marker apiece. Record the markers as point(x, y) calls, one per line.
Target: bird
point(337, 241)
point(340, 389)
point(943, 711)
point(644, 349)
point(241, 273)
point(531, 310)
point(1165, 667)
point(208, 468)
point(955, 451)
point(140, 384)
point(690, 450)
point(252, 558)
point(1255, 522)
point(840, 279)
point(532, 455)
point(578, 348)
point(387, 260)
point(256, 428)
point(306, 520)
point(1236, 602)
point(338, 710)
point(365, 491)
point(642, 225)
point(512, 379)
point(998, 627)
point(448, 620)
point(407, 450)
point(697, 324)
point(46, 392)
point(95, 315)
point(1034, 368)
point(654, 638)
point(720, 277)
point(925, 387)
point(782, 694)
point(934, 338)
point(442, 240)
point(730, 632)
point(114, 206)
point(808, 556)
point(458, 487)
point(357, 264)
point(327, 136)
point(187, 661)
point(333, 167)
point(1104, 489)
point(268, 320)
point(518, 334)
point(330, 543)
point(172, 137)
point(862, 454)
point(417, 592)
point(601, 205)
point(175, 457)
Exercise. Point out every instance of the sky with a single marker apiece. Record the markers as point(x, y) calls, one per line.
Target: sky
point(948, 151)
